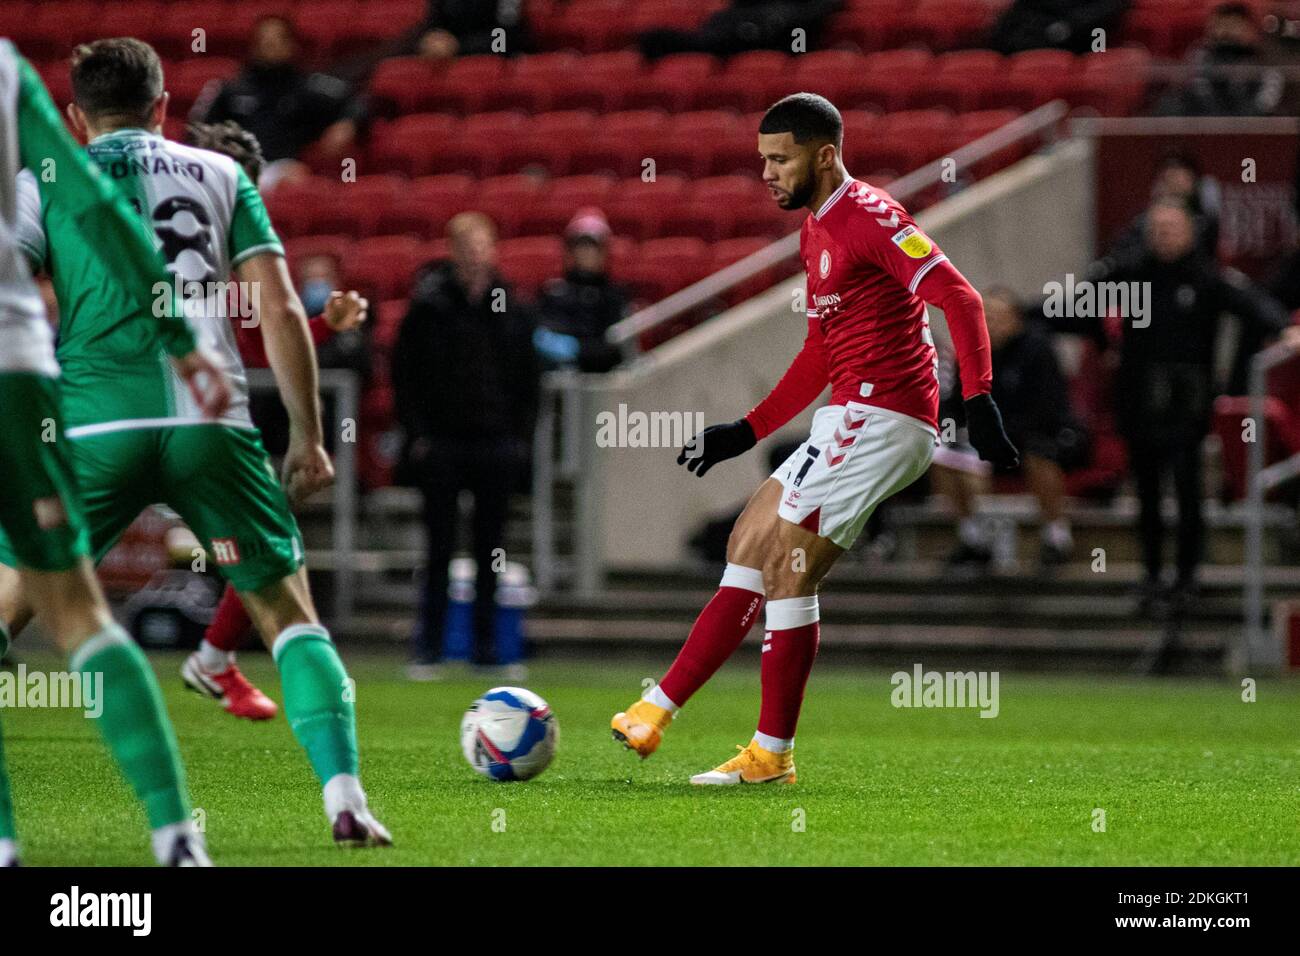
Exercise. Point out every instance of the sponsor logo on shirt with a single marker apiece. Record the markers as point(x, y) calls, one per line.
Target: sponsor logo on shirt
point(225, 551)
point(913, 242)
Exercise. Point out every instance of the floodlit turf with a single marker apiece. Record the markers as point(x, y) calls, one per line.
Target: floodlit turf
point(1186, 772)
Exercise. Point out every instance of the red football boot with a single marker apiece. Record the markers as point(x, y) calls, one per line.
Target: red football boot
point(231, 687)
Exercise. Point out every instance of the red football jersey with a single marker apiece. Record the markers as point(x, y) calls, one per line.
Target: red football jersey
point(865, 257)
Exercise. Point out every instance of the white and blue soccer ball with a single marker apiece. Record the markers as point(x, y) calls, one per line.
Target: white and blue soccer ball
point(509, 734)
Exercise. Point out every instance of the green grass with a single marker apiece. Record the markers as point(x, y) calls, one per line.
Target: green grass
point(1187, 773)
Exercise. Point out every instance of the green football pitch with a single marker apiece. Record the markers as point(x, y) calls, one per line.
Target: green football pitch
point(1186, 773)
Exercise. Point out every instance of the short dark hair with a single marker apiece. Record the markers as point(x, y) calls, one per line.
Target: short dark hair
point(230, 139)
point(118, 77)
point(1180, 159)
point(805, 116)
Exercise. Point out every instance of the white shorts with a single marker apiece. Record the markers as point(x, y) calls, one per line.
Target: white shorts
point(855, 457)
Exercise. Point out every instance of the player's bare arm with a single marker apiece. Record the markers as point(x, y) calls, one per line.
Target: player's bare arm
point(307, 467)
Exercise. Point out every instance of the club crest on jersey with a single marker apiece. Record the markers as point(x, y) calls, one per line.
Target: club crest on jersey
point(913, 242)
point(225, 551)
point(824, 265)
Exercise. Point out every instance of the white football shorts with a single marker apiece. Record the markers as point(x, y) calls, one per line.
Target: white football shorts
point(855, 457)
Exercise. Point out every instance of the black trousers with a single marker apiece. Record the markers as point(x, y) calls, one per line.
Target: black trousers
point(1151, 462)
point(487, 468)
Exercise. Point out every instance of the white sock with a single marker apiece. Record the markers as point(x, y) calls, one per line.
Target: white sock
point(657, 697)
point(165, 837)
point(1057, 534)
point(213, 659)
point(8, 852)
point(343, 792)
point(970, 530)
point(776, 745)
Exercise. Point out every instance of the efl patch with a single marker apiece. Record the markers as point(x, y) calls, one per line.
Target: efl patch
point(913, 242)
point(225, 551)
point(825, 265)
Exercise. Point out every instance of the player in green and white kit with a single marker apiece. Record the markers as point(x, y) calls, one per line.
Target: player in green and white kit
point(40, 510)
point(137, 437)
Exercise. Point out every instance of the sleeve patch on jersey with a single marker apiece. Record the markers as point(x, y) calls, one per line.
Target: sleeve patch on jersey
point(913, 242)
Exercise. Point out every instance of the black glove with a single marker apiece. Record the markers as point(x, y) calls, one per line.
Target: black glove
point(717, 443)
point(984, 425)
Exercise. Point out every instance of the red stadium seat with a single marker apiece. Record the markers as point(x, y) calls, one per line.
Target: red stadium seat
point(293, 204)
point(963, 80)
point(690, 141)
point(409, 145)
point(382, 267)
point(600, 84)
point(507, 199)
point(1033, 78)
point(338, 247)
point(355, 208)
point(663, 266)
point(479, 144)
point(427, 204)
point(188, 78)
point(888, 80)
point(561, 198)
point(407, 84)
point(531, 261)
point(526, 84)
point(749, 81)
point(463, 87)
point(831, 73)
point(711, 206)
point(589, 26)
point(548, 143)
point(1113, 83)
point(636, 207)
point(943, 24)
point(621, 142)
point(55, 28)
point(672, 83)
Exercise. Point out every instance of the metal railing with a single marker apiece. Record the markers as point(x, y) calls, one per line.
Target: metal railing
point(1256, 649)
point(343, 384)
point(559, 451)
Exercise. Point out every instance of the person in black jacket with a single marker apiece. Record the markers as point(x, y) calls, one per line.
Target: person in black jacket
point(575, 310)
point(284, 106)
point(466, 383)
point(1165, 382)
point(1031, 390)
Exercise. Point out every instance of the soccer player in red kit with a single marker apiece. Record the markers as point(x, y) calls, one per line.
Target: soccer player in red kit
point(871, 270)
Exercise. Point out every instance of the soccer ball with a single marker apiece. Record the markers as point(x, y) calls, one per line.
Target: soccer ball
point(509, 734)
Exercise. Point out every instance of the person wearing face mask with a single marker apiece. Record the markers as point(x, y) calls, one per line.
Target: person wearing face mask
point(466, 387)
point(1233, 38)
point(1165, 376)
point(576, 309)
point(283, 105)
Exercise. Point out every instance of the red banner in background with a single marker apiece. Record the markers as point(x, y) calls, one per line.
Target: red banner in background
point(1252, 159)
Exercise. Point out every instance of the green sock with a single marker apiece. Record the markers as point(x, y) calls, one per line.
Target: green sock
point(7, 831)
point(318, 699)
point(135, 725)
